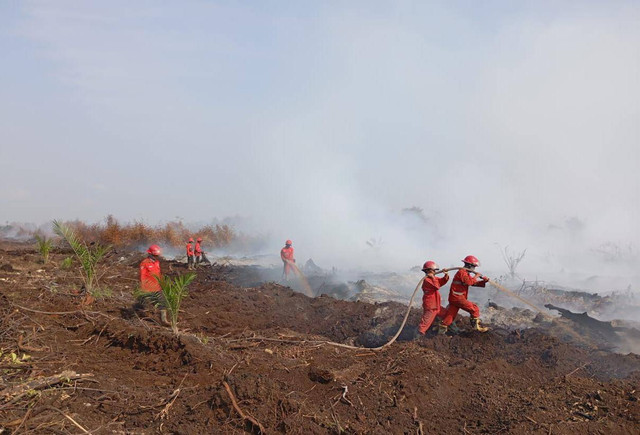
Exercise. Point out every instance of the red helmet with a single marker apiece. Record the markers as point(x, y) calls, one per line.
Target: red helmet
point(199, 239)
point(154, 250)
point(190, 240)
point(430, 265)
point(288, 242)
point(470, 259)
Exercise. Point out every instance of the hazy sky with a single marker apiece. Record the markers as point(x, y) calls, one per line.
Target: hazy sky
point(320, 121)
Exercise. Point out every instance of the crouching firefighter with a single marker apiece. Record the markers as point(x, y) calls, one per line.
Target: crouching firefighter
point(431, 298)
point(459, 292)
point(151, 292)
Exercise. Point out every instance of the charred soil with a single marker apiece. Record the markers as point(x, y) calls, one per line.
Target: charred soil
point(248, 360)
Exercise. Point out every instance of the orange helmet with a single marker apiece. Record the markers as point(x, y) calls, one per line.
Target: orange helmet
point(190, 240)
point(470, 259)
point(154, 250)
point(430, 265)
point(288, 242)
point(199, 239)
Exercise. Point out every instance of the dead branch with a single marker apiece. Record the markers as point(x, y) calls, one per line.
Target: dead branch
point(420, 430)
point(23, 347)
point(254, 423)
point(20, 367)
point(573, 371)
point(343, 396)
point(52, 313)
point(26, 416)
point(61, 313)
point(68, 418)
point(12, 394)
point(169, 402)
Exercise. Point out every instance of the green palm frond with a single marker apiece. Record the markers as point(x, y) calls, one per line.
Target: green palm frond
point(44, 247)
point(88, 256)
point(173, 291)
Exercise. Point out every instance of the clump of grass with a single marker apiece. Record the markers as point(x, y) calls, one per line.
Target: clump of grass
point(44, 246)
point(88, 255)
point(67, 263)
point(173, 291)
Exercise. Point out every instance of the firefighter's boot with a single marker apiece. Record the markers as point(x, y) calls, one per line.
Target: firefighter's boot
point(442, 329)
point(475, 324)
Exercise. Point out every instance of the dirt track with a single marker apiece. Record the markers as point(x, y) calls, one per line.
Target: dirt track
point(146, 380)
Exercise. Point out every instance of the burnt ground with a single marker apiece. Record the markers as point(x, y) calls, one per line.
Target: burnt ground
point(144, 379)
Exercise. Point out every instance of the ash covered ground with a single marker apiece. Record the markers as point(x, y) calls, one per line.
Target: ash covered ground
point(246, 338)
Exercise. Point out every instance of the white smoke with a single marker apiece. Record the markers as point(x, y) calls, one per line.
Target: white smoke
point(321, 124)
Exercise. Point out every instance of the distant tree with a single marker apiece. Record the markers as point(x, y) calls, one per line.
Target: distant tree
point(512, 260)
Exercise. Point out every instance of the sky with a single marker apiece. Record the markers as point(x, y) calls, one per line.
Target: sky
point(507, 123)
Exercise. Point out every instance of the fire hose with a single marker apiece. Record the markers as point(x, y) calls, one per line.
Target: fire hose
point(406, 315)
point(309, 292)
point(384, 346)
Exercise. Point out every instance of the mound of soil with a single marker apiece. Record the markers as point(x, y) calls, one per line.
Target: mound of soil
point(248, 360)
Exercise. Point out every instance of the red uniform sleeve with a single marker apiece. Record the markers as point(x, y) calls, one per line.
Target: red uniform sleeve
point(443, 280)
point(465, 277)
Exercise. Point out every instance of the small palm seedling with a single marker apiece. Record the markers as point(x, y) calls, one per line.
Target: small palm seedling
point(44, 247)
point(173, 290)
point(88, 255)
point(67, 263)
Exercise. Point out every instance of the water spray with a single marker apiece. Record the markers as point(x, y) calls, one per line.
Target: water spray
point(303, 279)
point(498, 286)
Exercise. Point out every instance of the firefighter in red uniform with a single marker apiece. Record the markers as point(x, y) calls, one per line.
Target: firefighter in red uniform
point(190, 254)
point(459, 292)
point(149, 285)
point(199, 253)
point(431, 299)
point(286, 254)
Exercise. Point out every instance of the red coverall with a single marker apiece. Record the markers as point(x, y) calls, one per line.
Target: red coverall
point(190, 257)
point(287, 254)
point(198, 250)
point(431, 301)
point(458, 296)
point(149, 270)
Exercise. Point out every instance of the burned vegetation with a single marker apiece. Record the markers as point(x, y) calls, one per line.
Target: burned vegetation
point(250, 359)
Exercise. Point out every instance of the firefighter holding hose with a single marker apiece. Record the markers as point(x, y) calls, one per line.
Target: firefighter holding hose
point(201, 256)
point(431, 298)
point(286, 254)
point(459, 292)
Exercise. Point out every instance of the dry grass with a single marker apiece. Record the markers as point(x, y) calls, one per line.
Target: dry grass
point(137, 234)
